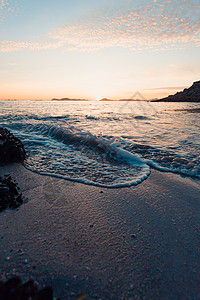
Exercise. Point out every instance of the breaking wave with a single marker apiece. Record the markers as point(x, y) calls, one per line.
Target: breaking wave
point(86, 157)
point(108, 147)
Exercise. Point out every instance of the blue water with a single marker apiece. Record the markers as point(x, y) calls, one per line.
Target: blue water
point(108, 144)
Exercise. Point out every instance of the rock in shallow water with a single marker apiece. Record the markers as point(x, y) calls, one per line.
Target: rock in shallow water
point(11, 148)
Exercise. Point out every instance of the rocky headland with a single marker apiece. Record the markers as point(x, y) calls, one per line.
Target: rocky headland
point(192, 94)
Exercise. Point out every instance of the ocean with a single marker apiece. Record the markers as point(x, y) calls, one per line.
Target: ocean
point(103, 143)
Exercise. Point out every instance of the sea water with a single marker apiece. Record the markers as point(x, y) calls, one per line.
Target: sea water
point(108, 144)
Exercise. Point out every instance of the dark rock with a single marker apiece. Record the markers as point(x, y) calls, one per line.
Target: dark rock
point(13, 289)
point(191, 94)
point(45, 294)
point(11, 148)
point(9, 194)
point(28, 289)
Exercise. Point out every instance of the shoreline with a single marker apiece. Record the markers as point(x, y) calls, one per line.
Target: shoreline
point(140, 241)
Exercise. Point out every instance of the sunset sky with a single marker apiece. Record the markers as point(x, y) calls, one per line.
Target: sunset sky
point(98, 48)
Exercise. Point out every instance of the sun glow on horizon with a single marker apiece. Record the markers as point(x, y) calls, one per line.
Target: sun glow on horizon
point(99, 98)
point(98, 48)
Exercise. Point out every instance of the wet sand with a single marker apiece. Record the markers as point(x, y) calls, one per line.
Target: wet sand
point(141, 242)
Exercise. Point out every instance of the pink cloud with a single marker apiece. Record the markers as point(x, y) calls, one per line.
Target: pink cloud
point(135, 30)
point(10, 46)
point(159, 25)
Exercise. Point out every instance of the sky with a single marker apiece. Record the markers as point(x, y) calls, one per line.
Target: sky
point(98, 48)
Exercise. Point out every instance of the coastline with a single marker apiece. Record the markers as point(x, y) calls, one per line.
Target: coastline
point(141, 241)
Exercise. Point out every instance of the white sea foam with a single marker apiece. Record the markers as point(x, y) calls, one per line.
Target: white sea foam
point(116, 166)
point(106, 144)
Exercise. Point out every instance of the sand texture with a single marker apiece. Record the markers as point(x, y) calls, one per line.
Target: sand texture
point(141, 242)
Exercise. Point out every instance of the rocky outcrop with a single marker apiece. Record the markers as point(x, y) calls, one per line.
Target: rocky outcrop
point(191, 94)
point(15, 289)
point(11, 148)
point(10, 197)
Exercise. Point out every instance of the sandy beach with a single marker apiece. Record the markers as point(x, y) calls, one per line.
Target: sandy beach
point(100, 150)
point(140, 242)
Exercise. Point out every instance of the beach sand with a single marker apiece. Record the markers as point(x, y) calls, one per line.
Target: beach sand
point(141, 242)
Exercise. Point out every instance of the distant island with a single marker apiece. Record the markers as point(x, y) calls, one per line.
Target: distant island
point(192, 94)
point(103, 99)
point(68, 99)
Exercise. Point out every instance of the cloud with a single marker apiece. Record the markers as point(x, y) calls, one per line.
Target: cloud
point(3, 4)
point(166, 88)
point(12, 64)
point(6, 7)
point(134, 30)
point(10, 46)
point(156, 25)
point(187, 69)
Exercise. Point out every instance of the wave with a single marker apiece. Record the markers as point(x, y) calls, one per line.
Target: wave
point(25, 117)
point(72, 135)
point(141, 118)
point(167, 161)
point(127, 183)
point(97, 161)
point(71, 117)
